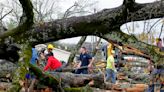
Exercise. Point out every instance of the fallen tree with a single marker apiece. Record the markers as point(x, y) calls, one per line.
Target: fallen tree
point(77, 82)
point(105, 24)
point(67, 80)
point(60, 81)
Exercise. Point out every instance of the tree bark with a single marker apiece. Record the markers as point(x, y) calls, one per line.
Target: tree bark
point(70, 81)
point(26, 22)
point(105, 24)
point(67, 79)
point(133, 77)
point(73, 69)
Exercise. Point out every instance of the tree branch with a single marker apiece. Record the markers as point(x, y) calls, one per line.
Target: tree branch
point(161, 30)
point(105, 24)
point(96, 24)
point(26, 20)
point(6, 14)
point(153, 25)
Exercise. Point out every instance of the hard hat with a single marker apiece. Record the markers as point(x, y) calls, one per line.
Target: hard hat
point(50, 46)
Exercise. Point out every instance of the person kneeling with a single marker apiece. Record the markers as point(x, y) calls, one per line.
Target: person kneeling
point(52, 63)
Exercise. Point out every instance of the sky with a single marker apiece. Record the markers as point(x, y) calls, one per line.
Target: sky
point(100, 5)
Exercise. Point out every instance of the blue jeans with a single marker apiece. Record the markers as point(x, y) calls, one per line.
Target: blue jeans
point(110, 74)
point(83, 71)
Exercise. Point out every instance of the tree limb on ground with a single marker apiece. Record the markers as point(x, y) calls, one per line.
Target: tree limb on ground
point(66, 79)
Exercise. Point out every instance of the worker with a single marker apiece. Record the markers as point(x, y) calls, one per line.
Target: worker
point(107, 50)
point(34, 58)
point(52, 63)
point(50, 47)
point(85, 60)
point(110, 68)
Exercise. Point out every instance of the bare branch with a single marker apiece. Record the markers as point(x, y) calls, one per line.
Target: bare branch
point(161, 30)
point(127, 28)
point(6, 14)
point(68, 10)
point(46, 4)
point(144, 28)
point(154, 25)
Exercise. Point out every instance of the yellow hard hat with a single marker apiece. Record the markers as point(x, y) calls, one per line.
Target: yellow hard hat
point(50, 46)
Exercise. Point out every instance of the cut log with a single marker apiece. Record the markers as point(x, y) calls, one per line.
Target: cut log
point(6, 69)
point(4, 86)
point(67, 79)
point(133, 77)
point(79, 89)
point(47, 79)
point(72, 69)
point(137, 88)
point(76, 82)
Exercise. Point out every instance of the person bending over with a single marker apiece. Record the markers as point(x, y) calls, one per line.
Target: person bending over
point(52, 63)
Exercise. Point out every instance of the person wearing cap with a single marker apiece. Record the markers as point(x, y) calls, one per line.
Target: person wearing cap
point(50, 47)
point(110, 68)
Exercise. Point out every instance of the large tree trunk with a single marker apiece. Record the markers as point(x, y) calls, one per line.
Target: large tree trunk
point(57, 79)
point(78, 46)
point(105, 24)
point(73, 82)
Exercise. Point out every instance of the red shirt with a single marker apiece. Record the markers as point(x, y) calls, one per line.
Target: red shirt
point(52, 63)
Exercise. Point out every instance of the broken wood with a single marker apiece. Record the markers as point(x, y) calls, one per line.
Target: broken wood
point(47, 79)
point(84, 67)
point(67, 79)
point(137, 88)
point(133, 77)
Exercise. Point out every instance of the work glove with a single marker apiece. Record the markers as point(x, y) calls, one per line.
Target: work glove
point(115, 70)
